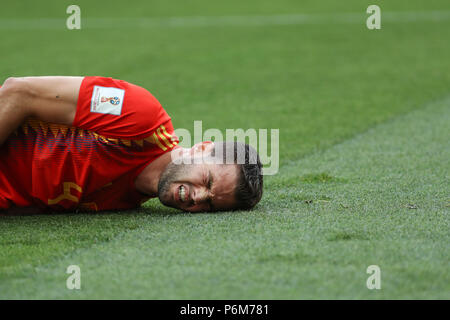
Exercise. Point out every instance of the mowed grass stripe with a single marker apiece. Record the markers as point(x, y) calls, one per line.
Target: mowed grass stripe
point(379, 198)
point(227, 21)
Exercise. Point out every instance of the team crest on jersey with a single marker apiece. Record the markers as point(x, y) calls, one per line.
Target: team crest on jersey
point(108, 100)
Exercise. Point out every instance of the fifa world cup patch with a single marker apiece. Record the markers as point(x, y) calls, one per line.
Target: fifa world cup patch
point(107, 100)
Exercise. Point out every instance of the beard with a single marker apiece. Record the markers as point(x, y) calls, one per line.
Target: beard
point(172, 173)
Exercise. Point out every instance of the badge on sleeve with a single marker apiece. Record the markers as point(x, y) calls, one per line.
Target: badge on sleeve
point(107, 100)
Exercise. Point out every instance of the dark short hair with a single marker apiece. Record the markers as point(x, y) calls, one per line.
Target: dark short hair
point(249, 188)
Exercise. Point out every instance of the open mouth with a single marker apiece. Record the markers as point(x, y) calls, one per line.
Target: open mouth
point(182, 193)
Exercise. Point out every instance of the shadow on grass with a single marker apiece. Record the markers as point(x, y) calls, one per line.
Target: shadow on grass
point(149, 209)
point(164, 212)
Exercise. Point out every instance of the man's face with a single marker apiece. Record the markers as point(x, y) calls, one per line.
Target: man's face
point(199, 187)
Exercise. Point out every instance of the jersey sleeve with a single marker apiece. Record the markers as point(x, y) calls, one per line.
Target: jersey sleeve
point(117, 109)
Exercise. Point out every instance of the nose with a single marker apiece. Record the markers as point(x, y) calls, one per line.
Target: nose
point(200, 195)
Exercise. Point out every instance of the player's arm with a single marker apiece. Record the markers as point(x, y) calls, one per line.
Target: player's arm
point(50, 99)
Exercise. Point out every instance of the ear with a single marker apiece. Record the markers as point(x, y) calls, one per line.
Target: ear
point(202, 148)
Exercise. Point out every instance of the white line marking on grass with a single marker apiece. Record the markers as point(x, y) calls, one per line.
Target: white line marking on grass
point(226, 21)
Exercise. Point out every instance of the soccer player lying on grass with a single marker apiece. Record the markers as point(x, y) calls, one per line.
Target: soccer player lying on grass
point(95, 143)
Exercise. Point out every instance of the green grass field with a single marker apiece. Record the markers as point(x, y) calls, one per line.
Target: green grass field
point(364, 120)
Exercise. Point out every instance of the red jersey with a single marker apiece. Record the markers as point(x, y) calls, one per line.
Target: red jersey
point(119, 129)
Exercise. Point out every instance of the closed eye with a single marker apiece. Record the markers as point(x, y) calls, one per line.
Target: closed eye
point(210, 180)
point(210, 183)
